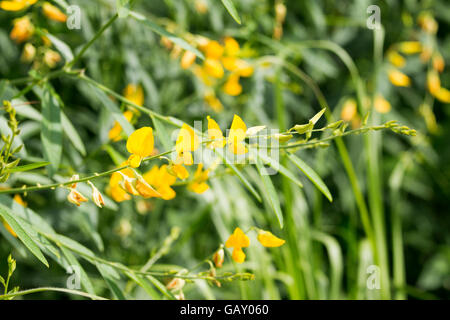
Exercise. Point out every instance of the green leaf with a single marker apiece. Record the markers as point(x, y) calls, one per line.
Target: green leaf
point(84, 279)
point(241, 177)
point(161, 133)
point(8, 215)
point(272, 195)
point(161, 287)
point(143, 283)
point(163, 32)
point(232, 10)
point(51, 134)
point(277, 166)
point(61, 47)
point(72, 134)
point(28, 167)
point(111, 277)
point(111, 107)
point(312, 175)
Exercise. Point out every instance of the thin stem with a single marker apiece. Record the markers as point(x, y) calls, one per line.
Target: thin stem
point(44, 289)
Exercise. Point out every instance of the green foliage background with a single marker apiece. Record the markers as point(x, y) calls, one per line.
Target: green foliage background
point(326, 253)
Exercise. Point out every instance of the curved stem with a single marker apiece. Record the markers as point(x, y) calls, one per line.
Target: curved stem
point(53, 289)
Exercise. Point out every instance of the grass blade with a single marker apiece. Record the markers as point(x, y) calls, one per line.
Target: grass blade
point(232, 10)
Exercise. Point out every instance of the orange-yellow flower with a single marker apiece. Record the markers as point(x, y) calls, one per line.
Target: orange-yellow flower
point(116, 192)
point(213, 101)
point(161, 180)
point(433, 82)
point(53, 13)
point(213, 50)
point(215, 134)
point(218, 258)
point(349, 110)
point(410, 47)
point(438, 62)
point(443, 95)
point(16, 5)
point(187, 141)
point(198, 184)
point(267, 239)
point(178, 170)
point(237, 241)
point(213, 68)
point(134, 93)
point(115, 132)
point(140, 144)
point(96, 196)
point(23, 29)
point(187, 59)
point(237, 135)
point(232, 87)
point(398, 78)
point(17, 198)
point(396, 59)
point(381, 104)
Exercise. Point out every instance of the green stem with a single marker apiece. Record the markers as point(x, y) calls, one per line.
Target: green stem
point(53, 289)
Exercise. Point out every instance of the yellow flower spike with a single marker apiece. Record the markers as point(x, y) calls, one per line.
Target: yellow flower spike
point(443, 95)
point(140, 144)
point(237, 241)
point(433, 82)
point(236, 135)
point(381, 104)
point(23, 29)
point(76, 197)
point(96, 196)
point(396, 59)
point(134, 93)
point(214, 133)
point(349, 110)
point(410, 47)
point(53, 13)
point(398, 78)
point(16, 5)
point(187, 59)
point(232, 87)
point(268, 240)
point(213, 68)
point(213, 50)
point(198, 185)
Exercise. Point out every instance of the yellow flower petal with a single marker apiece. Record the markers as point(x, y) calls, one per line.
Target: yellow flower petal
point(396, 59)
point(187, 59)
point(213, 68)
point(231, 46)
point(23, 29)
point(433, 82)
point(398, 78)
point(214, 133)
point(53, 13)
point(187, 140)
point(381, 104)
point(213, 50)
point(10, 230)
point(134, 93)
point(134, 160)
point(267, 239)
point(410, 47)
point(443, 95)
point(141, 142)
point(237, 131)
point(238, 255)
point(238, 239)
point(232, 87)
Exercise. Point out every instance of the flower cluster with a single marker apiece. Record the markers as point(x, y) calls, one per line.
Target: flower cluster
point(239, 240)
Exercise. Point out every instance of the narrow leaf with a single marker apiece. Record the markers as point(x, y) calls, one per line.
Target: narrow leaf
point(72, 134)
point(277, 166)
point(28, 167)
point(232, 10)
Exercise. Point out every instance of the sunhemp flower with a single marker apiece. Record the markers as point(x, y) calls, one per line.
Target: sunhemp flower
point(96, 196)
point(236, 135)
point(115, 132)
point(23, 29)
point(381, 104)
point(218, 258)
point(398, 78)
point(178, 170)
point(410, 47)
point(161, 180)
point(187, 59)
point(198, 184)
point(76, 197)
point(396, 59)
point(116, 192)
point(16, 5)
point(215, 134)
point(237, 241)
point(53, 13)
point(140, 144)
point(134, 93)
point(187, 141)
point(268, 240)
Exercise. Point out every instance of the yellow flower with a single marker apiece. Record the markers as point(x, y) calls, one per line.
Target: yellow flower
point(16, 5)
point(267, 239)
point(396, 59)
point(443, 95)
point(96, 196)
point(23, 29)
point(28, 53)
point(53, 13)
point(115, 132)
point(427, 23)
point(187, 59)
point(232, 86)
point(236, 135)
point(433, 82)
point(237, 241)
point(213, 101)
point(410, 47)
point(214, 133)
point(232, 47)
point(51, 58)
point(381, 104)
point(398, 78)
point(116, 192)
point(17, 198)
point(76, 197)
point(187, 141)
point(213, 68)
point(438, 62)
point(178, 170)
point(198, 185)
point(161, 180)
point(144, 189)
point(349, 110)
point(140, 144)
point(213, 50)
point(134, 93)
